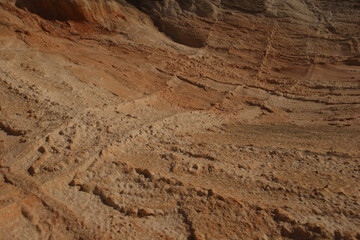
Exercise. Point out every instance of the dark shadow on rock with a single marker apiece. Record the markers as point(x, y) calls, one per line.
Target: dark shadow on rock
point(180, 34)
point(176, 19)
point(62, 10)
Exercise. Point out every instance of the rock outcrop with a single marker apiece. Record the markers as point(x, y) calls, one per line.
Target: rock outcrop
point(178, 119)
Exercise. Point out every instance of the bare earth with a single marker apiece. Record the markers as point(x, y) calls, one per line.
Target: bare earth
point(179, 119)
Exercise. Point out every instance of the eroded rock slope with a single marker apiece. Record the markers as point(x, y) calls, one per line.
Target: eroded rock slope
point(178, 119)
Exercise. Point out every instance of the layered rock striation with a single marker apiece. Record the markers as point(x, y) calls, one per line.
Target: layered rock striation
point(178, 119)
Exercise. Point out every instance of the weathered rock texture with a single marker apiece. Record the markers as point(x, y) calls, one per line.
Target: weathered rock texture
point(179, 119)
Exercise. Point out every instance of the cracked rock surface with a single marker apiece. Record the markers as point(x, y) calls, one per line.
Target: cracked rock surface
point(175, 119)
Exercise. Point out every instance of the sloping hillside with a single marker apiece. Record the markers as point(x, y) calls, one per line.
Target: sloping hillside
point(193, 119)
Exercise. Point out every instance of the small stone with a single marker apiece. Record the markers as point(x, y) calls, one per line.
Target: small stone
point(110, 130)
point(242, 166)
point(201, 192)
point(145, 172)
point(55, 149)
point(144, 212)
point(42, 149)
point(32, 170)
point(88, 188)
point(159, 212)
point(130, 211)
point(198, 236)
point(49, 139)
point(319, 229)
point(283, 216)
point(300, 232)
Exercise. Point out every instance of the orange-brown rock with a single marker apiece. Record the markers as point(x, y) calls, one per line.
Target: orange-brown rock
point(194, 119)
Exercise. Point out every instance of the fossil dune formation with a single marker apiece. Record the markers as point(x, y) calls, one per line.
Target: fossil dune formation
point(179, 119)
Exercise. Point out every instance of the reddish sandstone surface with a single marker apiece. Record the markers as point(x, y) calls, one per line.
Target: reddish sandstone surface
point(172, 119)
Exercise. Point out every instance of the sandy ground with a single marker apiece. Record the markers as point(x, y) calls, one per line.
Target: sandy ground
point(240, 122)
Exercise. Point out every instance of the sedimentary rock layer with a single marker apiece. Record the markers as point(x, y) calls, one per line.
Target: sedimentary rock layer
point(179, 119)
